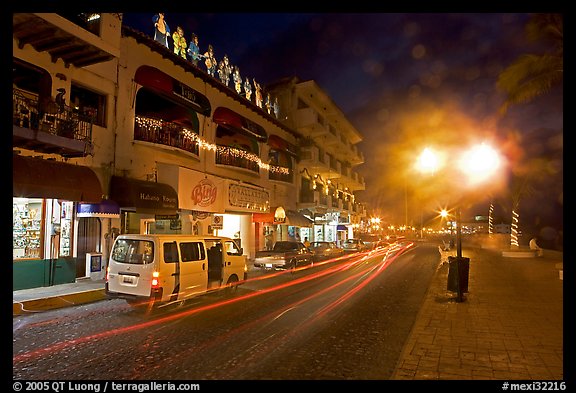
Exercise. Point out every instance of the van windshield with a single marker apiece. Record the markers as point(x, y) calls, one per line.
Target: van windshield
point(133, 251)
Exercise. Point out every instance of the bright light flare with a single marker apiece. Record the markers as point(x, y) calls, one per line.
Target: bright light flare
point(429, 161)
point(479, 163)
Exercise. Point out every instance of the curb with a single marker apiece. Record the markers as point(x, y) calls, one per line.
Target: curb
point(50, 303)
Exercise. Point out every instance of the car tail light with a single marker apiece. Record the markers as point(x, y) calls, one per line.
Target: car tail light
point(155, 279)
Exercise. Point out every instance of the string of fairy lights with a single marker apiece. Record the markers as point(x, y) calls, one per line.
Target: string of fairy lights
point(490, 214)
point(514, 235)
point(348, 196)
point(152, 125)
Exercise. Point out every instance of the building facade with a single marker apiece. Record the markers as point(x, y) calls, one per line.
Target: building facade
point(114, 133)
point(326, 175)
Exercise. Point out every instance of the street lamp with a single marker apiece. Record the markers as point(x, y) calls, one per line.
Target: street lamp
point(478, 164)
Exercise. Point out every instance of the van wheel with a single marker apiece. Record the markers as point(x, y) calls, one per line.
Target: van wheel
point(231, 286)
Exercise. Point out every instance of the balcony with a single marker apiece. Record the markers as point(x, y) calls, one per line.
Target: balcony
point(281, 174)
point(230, 156)
point(165, 133)
point(49, 129)
point(307, 120)
point(314, 159)
point(62, 39)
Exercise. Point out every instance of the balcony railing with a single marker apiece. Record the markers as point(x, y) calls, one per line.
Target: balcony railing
point(165, 133)
point(58, 120)
point(278, 173)
point(49, 127)
point(226, 155)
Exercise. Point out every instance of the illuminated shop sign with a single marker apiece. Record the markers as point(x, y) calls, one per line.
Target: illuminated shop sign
point(252, 199)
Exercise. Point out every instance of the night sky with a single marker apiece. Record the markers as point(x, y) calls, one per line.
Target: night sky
point(405, 81)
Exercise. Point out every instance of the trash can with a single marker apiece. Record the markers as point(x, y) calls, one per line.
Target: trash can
point(458, 270)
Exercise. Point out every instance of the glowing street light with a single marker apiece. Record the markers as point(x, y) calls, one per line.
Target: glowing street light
point(478, 164)
point(428, 161)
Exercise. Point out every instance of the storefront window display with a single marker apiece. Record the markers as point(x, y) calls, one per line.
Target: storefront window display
point(27, 218)
point(62, 215)
point(36, 221)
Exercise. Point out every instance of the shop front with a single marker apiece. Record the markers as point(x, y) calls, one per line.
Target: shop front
point(288, 225)
point(145, 207)
point(44, 222)
point(326, 227)
point(93, 220)
point(215, 205)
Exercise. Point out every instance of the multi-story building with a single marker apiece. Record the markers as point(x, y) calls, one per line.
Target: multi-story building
point(64, 85)
point(326, 178)
point(114, 133)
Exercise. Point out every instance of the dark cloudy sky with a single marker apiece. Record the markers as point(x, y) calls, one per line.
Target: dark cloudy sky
point(405, 80)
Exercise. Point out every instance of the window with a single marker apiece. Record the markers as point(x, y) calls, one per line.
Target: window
point(138, 252)
point(232, 248)
point(192, 251)
point(90, 103)
point(171, 252)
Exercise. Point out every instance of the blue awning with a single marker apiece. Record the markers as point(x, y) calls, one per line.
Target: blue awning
point(105, 209)
point(341, 227)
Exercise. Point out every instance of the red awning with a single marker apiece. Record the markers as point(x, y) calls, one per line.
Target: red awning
point(38, 178)
point(172, 89)
point(228, 118)
point(279, 143)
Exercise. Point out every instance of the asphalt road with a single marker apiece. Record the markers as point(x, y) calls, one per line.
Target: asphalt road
point(341, 320)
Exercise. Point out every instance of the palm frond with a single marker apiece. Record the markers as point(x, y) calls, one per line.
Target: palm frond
point(529, 77)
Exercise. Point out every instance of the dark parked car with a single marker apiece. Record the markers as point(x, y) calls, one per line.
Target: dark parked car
point(284, 255)
point(325, 250)
point(354, 245)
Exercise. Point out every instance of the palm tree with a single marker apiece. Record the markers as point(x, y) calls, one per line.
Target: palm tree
point(532, 75)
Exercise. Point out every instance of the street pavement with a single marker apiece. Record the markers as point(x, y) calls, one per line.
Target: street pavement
point(509, 326)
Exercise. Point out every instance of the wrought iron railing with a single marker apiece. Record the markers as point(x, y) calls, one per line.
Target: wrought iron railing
point(161, 132)
point(280, 175)
point(62, 120)
point(226, 155)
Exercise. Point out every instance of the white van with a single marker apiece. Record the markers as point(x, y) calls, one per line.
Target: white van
point(158, 269)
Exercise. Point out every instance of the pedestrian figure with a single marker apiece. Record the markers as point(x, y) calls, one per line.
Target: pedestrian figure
point(258, 93)
point(248, 89)
point(60, 100)
point(268, 104)
point(179, 42)
point(224, 70)
point(210, 61)
point(237, 80)
point(276, 108)
point(193, 50)
point(161, 29)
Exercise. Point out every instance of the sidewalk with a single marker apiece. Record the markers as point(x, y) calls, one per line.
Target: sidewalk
point(33, 300)
point(509, 326)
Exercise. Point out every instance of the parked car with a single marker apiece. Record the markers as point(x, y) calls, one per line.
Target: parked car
point(353, 245)
point(325, 250)
point(284, 255)
point(370, 240)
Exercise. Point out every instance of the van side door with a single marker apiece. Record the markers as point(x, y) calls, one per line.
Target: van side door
point(234, 261)
point(193, 269)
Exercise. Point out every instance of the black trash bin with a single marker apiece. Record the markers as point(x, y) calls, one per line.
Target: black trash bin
point(458, 270)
